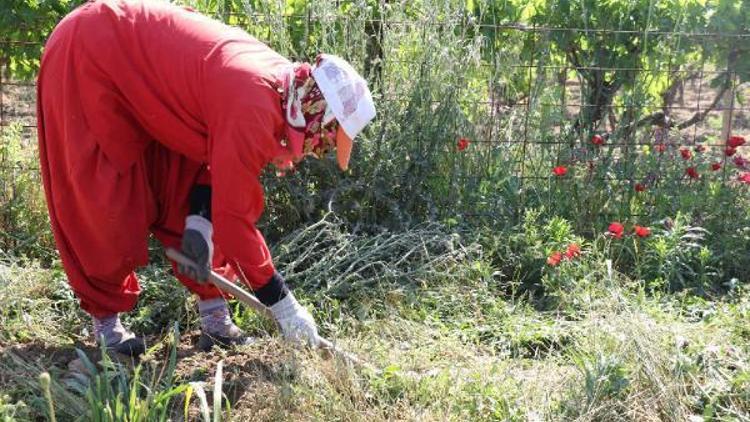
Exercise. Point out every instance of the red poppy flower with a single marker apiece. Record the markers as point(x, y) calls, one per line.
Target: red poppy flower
point(616, 230)
point(716, 166)
point(597, 140)
point(573, 251)
point(554, 259)
point(744, 178)
point(686, 153)
point(640, 187)
point(700, 148)
point(560, 171)
point(729, 151)
point(641, 231)
point(692, 172)
point(463, 143)
point(735, 141)
point(660, 148)
point(740, 162)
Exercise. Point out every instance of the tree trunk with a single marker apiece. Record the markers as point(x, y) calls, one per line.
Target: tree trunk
point(597, 100)
point(727, 113)
point(728, 100)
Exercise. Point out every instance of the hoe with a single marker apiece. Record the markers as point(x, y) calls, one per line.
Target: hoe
point(326, 347)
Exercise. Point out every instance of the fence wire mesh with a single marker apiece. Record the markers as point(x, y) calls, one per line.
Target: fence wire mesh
point(618, 108)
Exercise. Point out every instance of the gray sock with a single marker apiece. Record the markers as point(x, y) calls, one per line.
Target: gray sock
point(215, 318)
point(112, 330)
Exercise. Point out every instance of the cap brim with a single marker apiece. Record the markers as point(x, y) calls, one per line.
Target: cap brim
point(344, 147)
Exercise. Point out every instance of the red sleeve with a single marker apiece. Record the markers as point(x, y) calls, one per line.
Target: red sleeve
point(236, 160)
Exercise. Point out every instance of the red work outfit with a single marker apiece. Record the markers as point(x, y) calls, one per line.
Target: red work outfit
point(135, 101)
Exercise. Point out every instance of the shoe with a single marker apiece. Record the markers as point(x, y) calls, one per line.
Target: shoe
point(132, 347)
point(118, 339)
point(234, 337)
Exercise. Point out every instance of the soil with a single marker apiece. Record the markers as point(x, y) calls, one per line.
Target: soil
point(19, 103)
point(253, 375)
point(696, 96)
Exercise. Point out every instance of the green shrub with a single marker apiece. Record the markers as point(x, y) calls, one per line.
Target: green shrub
point(24, 223)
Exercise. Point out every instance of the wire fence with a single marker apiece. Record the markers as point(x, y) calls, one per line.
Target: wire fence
point(523, 102)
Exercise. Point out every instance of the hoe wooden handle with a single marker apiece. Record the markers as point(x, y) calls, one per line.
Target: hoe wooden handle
point(224, 285)
point(250, 300)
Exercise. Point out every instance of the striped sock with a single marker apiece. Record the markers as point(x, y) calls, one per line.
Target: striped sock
point(215, 318)
point(111, 329)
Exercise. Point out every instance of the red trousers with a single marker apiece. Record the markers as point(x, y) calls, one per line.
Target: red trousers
point(135, 99)
point(102, 236)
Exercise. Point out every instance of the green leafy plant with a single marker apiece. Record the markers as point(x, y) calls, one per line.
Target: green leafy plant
point(24, 26)
point(23, 213)
point(676, 257)
point(604, 376)
point(10, 411)
point(114, 393)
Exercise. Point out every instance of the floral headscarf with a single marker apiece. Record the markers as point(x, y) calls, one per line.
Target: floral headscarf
point(311, 126)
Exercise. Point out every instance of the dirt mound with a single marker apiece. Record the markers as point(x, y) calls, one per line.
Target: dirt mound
point(253, 375)
point(250, 373)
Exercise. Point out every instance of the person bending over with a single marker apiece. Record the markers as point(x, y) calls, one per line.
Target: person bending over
point(155, 119)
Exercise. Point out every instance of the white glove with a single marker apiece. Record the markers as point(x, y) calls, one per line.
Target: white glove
point(297, 325)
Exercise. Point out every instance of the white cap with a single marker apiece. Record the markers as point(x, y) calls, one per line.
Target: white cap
point(345, 92)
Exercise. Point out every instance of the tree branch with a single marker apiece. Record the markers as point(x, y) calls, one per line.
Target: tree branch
point(699, 116)
point(669, 95)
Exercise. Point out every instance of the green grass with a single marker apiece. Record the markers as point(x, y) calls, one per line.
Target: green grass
point(463, 316)
point(449, 339)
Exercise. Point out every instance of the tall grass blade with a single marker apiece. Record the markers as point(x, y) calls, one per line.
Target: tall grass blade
point(218, 381)
point(201, 393)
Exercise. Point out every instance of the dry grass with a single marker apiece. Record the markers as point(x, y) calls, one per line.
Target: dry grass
point(448, 345)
